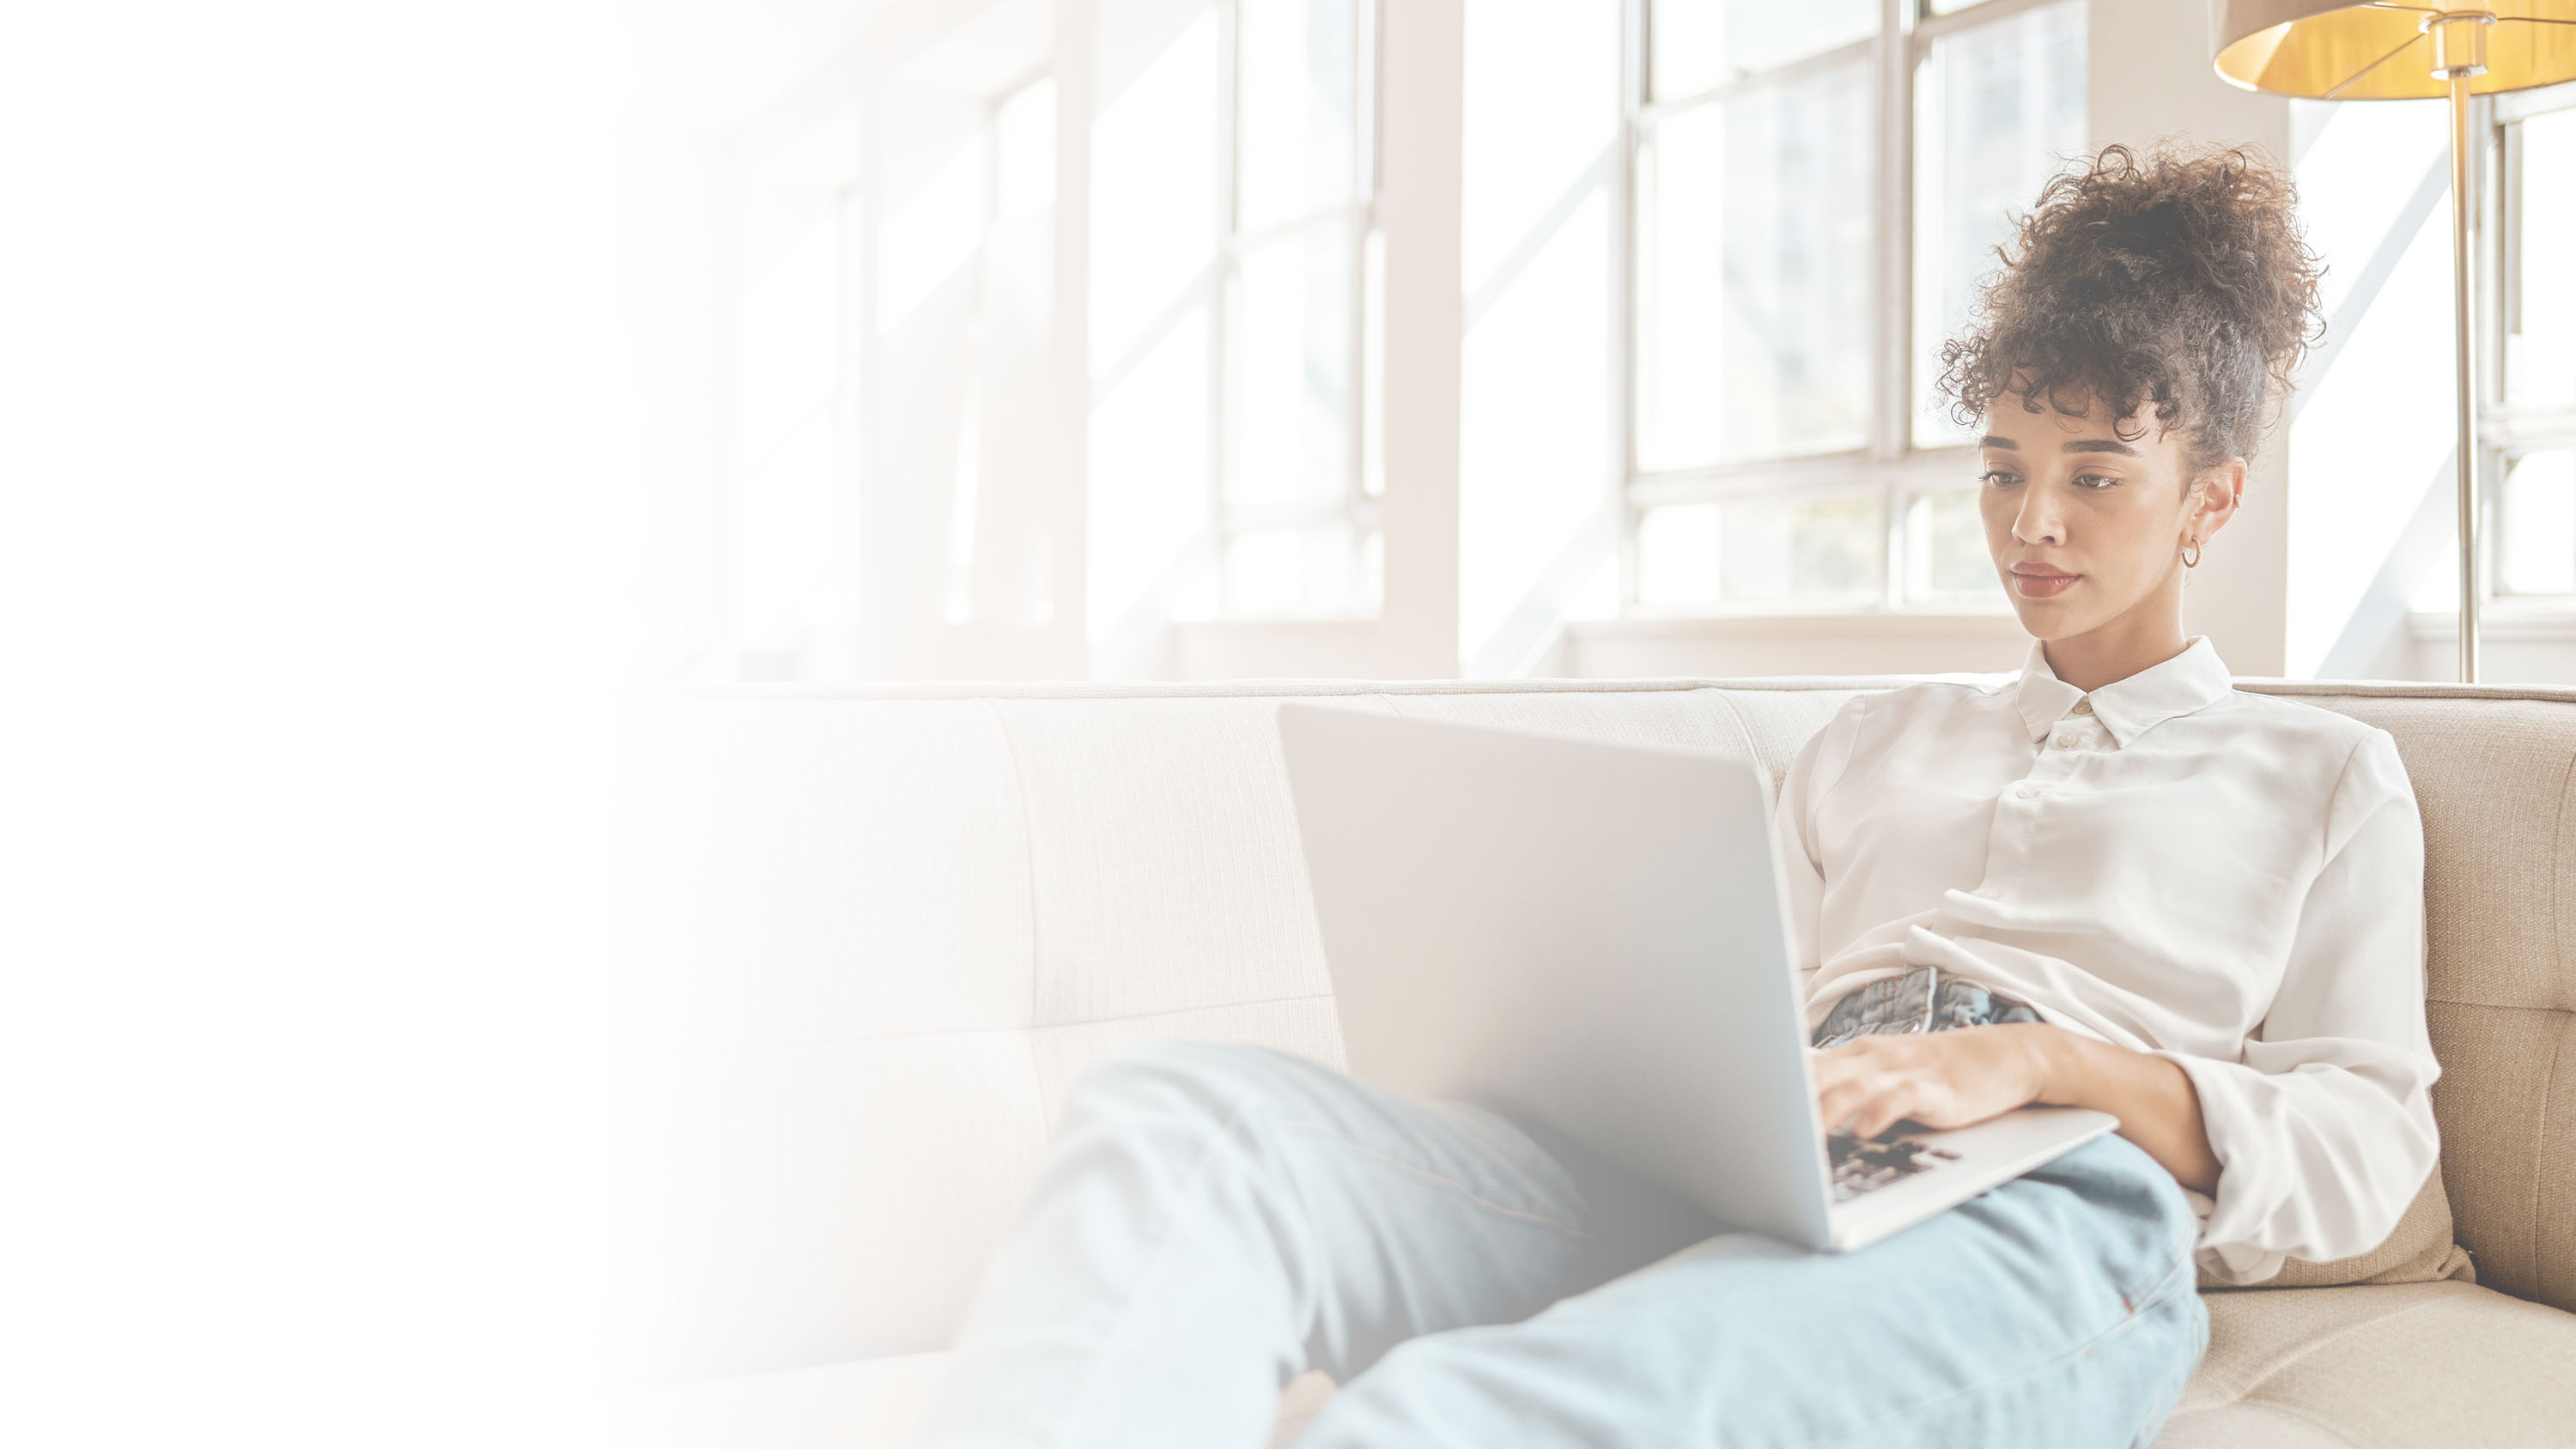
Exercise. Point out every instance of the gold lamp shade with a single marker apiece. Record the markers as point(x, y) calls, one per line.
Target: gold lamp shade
point(2384, 52)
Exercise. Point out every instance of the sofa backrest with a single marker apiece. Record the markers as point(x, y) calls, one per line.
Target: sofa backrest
point(867, 940)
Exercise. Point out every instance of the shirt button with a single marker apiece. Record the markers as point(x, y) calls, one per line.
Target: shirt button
point(2028, 792)
point(2066, 741)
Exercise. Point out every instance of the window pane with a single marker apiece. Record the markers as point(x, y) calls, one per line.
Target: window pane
point(1754, 276)
point(1296, 108)
point(791, 367)
point(1289, 436)
point(1537, 419)
point(2540, 340)
point(1800, 548)
point(1024, 152)
point(1151, 544)
point(1786, 548)
point(1293, 572)
point(1534, 444)
point(930, 234)
point(1701, 43)
point(1542, 114)
point(1677, 556)
point(1153, 189)
point(1995, 109)
point(2539, 543)
point(1945, 549)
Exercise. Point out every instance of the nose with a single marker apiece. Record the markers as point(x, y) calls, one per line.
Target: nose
point(2037, 521)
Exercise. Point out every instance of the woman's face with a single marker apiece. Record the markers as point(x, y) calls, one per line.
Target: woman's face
point(2088, 521)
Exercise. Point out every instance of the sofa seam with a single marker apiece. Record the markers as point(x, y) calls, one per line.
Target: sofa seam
point(2557, 920)
point(2540, 1139)
point(2431, 1000)
point(1028, 843)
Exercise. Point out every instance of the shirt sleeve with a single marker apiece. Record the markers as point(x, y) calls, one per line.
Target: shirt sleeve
point(1793, 832)
point(2324, 1130)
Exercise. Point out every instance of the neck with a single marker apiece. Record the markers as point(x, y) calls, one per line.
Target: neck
point(2142, 638)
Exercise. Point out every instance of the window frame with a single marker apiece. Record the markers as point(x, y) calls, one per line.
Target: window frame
point(1891, 463)
point(1358, 505)
point(2506, 430)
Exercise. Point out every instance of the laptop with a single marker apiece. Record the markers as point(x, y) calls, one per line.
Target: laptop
point(1595, 937)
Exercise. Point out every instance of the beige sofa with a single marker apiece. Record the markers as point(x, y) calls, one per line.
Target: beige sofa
point(869, 938)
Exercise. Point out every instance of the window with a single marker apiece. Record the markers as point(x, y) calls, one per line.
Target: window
point(797, 403)
point(2529, 431)
point(1785, 451)
point(1705, 251)
point(1232, 258)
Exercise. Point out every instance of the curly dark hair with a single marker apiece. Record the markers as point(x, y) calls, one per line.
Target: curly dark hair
point(2177, 282)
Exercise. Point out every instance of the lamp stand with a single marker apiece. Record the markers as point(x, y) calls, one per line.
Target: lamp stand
point(2459, 56)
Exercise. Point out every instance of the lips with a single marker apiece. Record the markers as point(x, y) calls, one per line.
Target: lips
point(2039, 581)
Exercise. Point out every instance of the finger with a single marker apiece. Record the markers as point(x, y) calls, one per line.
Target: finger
point(1837, 1106)
point(1885, 1110)
point(1831, 1068)
point(1840, 1063)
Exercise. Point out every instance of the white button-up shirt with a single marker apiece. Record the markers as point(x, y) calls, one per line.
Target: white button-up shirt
point(2231, 881)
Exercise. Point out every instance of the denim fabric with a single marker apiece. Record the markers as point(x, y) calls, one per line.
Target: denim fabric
point(1923, 999)
point(1216, 1220)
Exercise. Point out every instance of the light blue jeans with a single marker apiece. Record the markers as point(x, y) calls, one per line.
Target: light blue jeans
point(1215, 1220)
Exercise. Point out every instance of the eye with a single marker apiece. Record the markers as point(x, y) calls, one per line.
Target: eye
point(2095, 482)
point(1998, 478)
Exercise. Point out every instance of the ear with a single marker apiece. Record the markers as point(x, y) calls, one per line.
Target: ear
point(2215, 497)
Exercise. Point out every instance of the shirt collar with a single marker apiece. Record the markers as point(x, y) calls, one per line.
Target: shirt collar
point(2192, 680)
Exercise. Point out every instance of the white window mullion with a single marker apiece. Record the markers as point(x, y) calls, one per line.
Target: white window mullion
point(1363, 401)
point(1221, 378)
point(1069, 342)
point(1633, 59)
point(1892, 378)
point(1422, 47)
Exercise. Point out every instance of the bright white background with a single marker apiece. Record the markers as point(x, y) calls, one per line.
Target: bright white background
point(310, 393)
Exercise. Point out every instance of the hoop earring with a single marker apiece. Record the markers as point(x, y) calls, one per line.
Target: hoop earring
point(2191, 554)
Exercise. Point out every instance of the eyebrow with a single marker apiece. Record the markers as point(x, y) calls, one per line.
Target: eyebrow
point(2084, 445)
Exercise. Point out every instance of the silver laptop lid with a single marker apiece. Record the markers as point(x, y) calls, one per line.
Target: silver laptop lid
point(1589, 935)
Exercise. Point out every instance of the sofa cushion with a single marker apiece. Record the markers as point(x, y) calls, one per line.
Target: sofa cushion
point(2419, 1250)
point(2385, 1368)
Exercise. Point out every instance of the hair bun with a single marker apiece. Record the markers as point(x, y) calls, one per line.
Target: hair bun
point(2178, 282)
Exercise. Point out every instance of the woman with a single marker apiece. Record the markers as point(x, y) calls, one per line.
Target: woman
point(2112, 882)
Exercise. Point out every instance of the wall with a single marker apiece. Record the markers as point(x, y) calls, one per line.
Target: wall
point(2150, 80)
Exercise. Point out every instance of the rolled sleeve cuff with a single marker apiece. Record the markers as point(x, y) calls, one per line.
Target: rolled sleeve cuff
point(2266, 1209)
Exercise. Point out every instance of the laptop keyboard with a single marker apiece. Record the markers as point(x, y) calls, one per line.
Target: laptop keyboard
point(1866, 1165)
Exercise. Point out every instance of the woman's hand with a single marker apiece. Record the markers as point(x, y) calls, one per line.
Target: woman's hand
point(1957, 1078)
point(1944, 1079)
